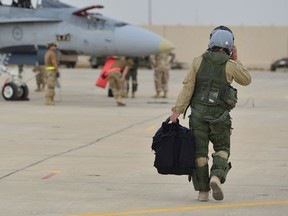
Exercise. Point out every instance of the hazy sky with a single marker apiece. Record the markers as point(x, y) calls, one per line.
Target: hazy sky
point(192, 12)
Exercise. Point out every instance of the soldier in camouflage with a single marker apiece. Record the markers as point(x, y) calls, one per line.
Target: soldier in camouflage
point(51, 66)
point(161, 64)
point(116, 75)
point(132, 74)
point(40, 77)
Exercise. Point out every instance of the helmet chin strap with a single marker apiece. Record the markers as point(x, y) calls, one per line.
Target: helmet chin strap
point(226, 51)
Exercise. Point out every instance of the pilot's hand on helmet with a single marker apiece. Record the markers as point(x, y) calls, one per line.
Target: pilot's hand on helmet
point(234, 55)
point(174, 116)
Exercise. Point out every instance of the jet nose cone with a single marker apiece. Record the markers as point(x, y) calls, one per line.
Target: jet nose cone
point(165, 46)
point(135, 41)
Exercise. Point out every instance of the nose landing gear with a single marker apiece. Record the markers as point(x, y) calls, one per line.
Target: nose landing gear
point(12, 91)
point(14, 88)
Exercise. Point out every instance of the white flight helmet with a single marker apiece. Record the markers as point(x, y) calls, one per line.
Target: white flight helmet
point(221, 39)
point(221, 27)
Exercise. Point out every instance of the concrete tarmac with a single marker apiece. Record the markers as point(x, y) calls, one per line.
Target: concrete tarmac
point(86, 156)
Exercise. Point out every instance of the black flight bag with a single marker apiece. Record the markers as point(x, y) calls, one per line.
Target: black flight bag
point(174, 148)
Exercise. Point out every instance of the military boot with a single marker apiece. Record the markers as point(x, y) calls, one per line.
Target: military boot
point(165, 94)
point(38, 89)
point(203, 196)
point(49, 101)
point(42, 88)
point(157, 95)
point(216, 187)
point(133, 95)
point(120, 101)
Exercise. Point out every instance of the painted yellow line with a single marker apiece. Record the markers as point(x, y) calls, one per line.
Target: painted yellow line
point(187, 208)
point(152, 127)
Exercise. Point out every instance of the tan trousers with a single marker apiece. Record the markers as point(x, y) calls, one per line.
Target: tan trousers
point(116, 85)
point(51, 83)
point(161, 78)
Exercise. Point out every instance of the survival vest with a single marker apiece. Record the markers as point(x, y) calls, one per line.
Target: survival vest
point(211, 87)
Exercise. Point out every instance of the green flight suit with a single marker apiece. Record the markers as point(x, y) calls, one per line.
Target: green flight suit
point(206, 83)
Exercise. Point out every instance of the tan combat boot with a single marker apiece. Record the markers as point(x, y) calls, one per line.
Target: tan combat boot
point(203, 196)
point(42, 89)
point(38, 89)
point(165, 94)
point(216, 187)
point(49, 101)
point(157, 95)
point(120, 101)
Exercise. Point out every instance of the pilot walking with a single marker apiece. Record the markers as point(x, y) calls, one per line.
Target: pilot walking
point(207, 90)
point(51, 66)
point(117, 73)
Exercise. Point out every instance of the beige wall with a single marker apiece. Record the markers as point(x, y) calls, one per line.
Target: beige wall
point(257, 46)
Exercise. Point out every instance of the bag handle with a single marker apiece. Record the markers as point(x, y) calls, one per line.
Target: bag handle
point(168, 120)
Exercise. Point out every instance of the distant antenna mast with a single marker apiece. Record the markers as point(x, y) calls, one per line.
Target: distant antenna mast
point(149, 13)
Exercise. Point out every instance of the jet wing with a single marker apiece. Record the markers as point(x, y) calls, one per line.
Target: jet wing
point(30, 54)
point(27, 20)
point(25, 54)
point(27, 59)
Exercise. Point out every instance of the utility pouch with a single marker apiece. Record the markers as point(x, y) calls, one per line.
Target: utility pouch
point(230, 97)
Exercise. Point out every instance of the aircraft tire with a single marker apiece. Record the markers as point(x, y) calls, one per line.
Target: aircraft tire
point(94, 66)
point(23, 92)
point(10, 91)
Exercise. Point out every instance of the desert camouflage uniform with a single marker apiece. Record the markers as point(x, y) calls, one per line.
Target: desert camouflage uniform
point(162, 64)
point(115, 82)
point(40, 77)
point(51, 65)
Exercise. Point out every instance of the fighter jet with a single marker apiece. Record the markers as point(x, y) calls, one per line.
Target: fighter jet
point(25, 32)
